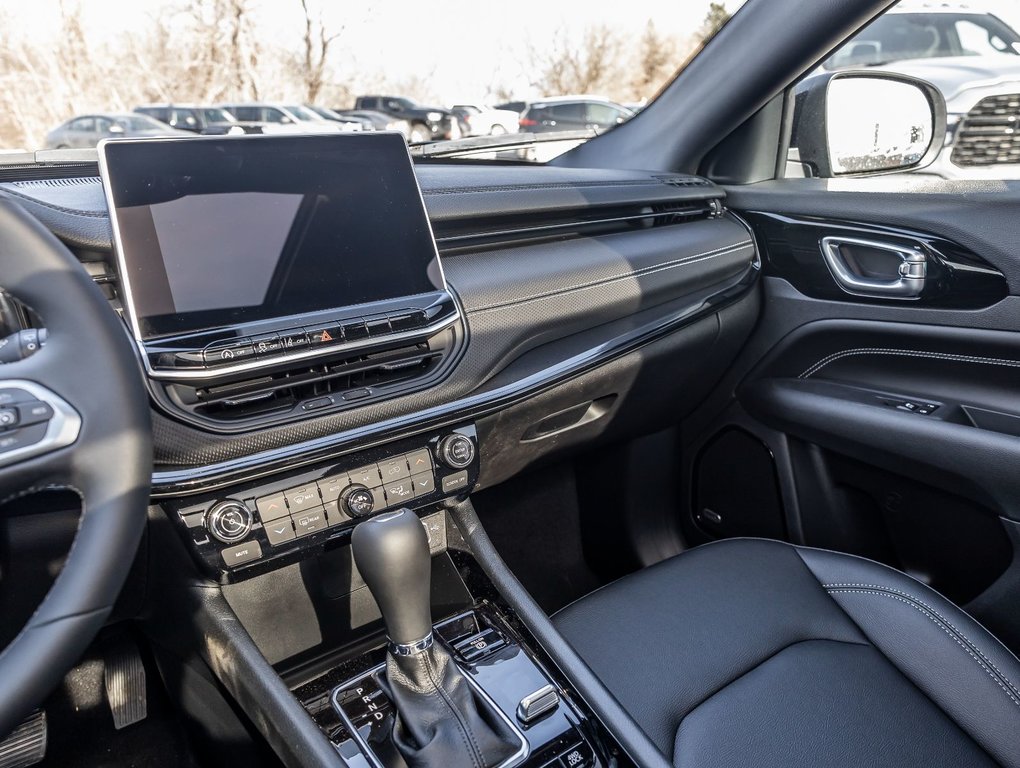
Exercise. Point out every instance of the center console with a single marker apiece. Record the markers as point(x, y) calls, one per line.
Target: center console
point(267, 280)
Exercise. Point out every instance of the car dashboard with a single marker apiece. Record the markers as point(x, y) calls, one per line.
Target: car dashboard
point(569, 300)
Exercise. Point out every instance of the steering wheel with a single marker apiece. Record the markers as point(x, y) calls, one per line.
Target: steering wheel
point(74, 415)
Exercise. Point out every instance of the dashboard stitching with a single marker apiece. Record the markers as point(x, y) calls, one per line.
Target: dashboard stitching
point(907, 353)
point(652, 269)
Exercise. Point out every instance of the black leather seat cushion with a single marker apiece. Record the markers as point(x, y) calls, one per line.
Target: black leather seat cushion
point(749, 652)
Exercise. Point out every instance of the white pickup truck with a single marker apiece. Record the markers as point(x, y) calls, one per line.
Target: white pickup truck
point(973, 58)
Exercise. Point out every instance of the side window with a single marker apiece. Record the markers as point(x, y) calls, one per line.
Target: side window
point(83, 124)
point(568, 113)
point(537, 115)
point(184, 118)
point(273, 115)
point(846, 123)
point(603, 114)
point(103, 125)
point(245, 113)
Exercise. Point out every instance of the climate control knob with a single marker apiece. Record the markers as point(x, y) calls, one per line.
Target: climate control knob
point(456, 451)
point(357, 501)
point(229, 521)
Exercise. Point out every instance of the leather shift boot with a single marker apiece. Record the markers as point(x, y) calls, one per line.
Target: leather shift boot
point(441, 721)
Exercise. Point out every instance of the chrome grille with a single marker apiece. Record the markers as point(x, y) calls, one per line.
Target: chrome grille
point(990, 133)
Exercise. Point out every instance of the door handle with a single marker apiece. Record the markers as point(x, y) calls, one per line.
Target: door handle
point(911, 270)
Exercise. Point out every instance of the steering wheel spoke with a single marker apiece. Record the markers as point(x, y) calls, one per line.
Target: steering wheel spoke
point(73, 415)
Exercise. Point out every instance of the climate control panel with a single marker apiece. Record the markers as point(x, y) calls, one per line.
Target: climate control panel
point(253, 527)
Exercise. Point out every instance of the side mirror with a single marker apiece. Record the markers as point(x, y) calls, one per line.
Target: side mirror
point(868, 123)
point(115, 128)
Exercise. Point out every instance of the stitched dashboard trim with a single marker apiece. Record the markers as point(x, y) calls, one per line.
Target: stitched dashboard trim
point(907, 353)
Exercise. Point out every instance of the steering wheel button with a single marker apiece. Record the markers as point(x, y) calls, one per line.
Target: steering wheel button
point(241, 553)
point(33, 413)
point(21, 438)
point(13, 395)
point(272, 507)
point(8, 417)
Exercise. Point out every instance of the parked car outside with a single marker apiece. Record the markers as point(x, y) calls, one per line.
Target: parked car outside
point(973, 58)
point(347, 123)
point(208, 121)
point(427, 123)
point(480, 120)
point(378, 120)
point(513, 106)
point(87, 130)
point(280, 118)
point(573, 113)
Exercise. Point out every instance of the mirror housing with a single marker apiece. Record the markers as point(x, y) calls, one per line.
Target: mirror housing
point(858, 122)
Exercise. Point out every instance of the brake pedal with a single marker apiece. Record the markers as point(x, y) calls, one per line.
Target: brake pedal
point(124, 678)
point(27, 743)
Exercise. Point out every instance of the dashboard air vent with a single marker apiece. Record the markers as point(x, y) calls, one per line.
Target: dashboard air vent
point(311, 387)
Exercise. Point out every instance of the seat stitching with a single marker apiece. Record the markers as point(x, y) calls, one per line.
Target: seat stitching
point(906, 353)
point(956, 629)
point(939, 624)
point(644, 271)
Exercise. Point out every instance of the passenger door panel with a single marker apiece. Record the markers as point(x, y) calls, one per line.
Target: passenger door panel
point(893, 425)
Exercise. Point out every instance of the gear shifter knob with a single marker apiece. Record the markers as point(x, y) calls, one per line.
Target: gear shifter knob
point(392, 554)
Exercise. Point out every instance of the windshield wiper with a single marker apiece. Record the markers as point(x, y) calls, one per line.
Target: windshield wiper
point(486, 144)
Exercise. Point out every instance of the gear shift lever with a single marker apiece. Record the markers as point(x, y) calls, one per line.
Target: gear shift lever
point(392, 554)
point(441, 721)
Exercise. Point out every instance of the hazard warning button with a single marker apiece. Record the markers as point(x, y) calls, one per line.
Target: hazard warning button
point(321, 335)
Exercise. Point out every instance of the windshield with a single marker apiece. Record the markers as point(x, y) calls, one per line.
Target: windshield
point(68, 60)
point(936, 34)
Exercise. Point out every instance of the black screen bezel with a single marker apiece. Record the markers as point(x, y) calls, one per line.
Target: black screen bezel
point(147, 328)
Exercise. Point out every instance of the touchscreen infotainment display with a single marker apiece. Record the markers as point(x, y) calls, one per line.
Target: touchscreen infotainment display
point(213, 232)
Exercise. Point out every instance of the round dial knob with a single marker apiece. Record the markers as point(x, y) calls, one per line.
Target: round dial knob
point(456, 451)
point(357, 501)
point(229, 521)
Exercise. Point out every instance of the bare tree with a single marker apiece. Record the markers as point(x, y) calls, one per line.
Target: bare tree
point(584, 67)
point(717, 16)
point(317, 42)
point(656, 61)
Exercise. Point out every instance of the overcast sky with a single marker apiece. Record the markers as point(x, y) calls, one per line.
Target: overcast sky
point(462, 46)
